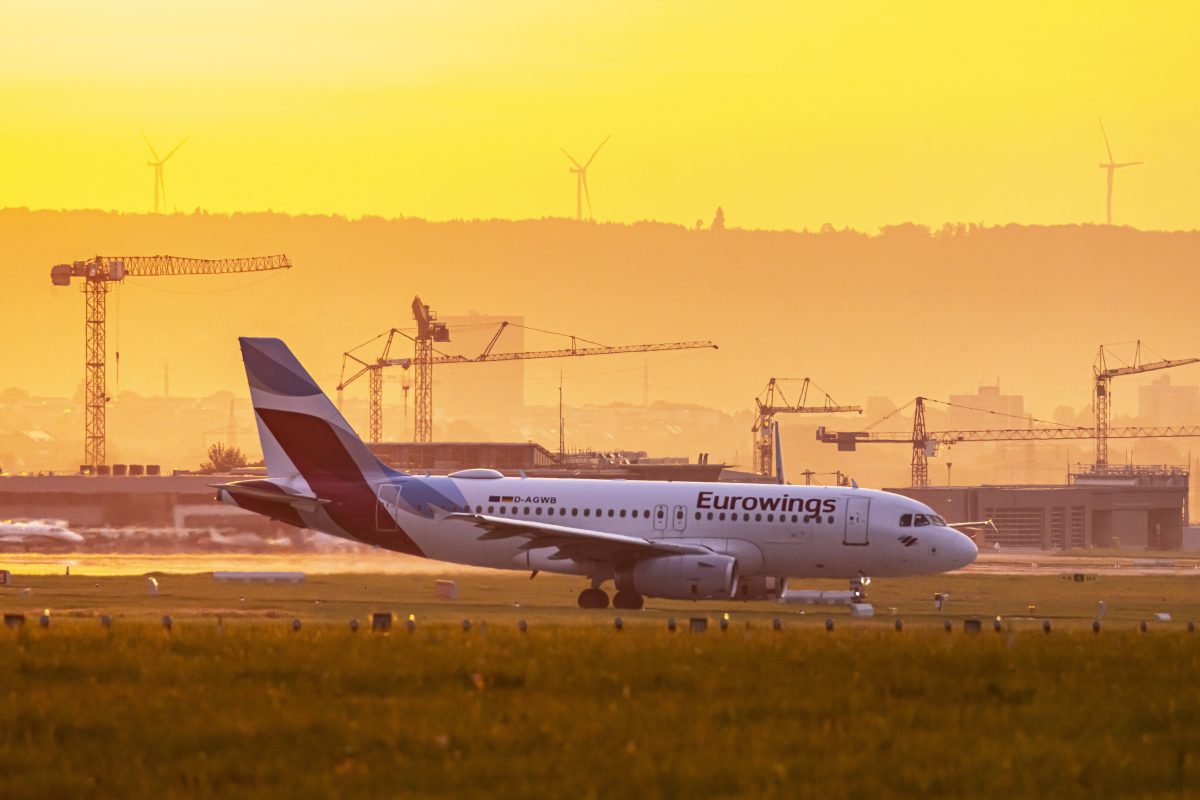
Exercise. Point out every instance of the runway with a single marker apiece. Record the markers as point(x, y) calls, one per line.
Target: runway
point(388, 563)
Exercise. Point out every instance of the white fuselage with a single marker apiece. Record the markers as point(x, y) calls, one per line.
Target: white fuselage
point(772, 530)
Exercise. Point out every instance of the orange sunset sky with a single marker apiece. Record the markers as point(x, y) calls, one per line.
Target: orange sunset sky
point(789, 115)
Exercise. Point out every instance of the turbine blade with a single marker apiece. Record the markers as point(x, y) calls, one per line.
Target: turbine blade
point(1128, 164)
point(593, 158)
point(586, 196)
point(144, 136)
point(181, 144)
point(568, 155)
point(1104, 133)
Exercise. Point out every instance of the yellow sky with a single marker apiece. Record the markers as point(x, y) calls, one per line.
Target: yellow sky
point(788, 115)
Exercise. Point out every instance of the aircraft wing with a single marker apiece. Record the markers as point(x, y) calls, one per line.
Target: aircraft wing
point(577, 544)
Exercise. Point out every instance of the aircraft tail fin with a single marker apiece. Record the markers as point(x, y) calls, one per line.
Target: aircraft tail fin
point(301, 432)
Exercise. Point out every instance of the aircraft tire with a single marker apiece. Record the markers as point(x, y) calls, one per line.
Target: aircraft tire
point(593, 598)
point(628, 600)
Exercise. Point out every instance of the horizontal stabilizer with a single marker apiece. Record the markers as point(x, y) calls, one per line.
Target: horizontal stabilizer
point(296, 501)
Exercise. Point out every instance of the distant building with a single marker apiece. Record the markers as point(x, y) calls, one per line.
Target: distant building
point(1140, 508)
point(1160, 403)
point(1004, 410)
point(535, 461)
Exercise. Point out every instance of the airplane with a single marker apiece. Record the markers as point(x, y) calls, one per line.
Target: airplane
point(37, 533)
point(661, 539)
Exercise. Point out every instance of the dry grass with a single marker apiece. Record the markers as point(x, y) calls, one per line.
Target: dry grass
point(574, 708)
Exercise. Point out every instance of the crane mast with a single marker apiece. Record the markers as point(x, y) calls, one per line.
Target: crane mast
point(98, 274)
point(1103, 391)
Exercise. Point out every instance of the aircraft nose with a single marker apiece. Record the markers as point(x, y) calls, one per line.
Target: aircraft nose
point(961, 550)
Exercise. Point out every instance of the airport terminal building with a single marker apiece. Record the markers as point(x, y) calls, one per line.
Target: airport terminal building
point(1134, 508)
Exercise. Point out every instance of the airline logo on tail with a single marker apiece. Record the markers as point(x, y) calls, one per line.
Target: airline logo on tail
point(314, 459)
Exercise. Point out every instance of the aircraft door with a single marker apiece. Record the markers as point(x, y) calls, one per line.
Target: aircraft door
point(660, 518)
point(679, 519)
point(857, 510)
point(385, 509)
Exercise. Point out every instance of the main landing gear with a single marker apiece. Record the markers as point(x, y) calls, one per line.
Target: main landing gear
point(594, 598)
point(623, 599)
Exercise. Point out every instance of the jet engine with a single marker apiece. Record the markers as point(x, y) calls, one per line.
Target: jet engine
point(688, 577)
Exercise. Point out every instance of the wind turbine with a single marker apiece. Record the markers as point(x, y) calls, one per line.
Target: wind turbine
point(581, 189)
point(160, 188)
point(1111, 166)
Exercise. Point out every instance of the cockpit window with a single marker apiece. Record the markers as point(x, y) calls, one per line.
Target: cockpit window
point(920, 521)
point(938, 520)
point(906, 520)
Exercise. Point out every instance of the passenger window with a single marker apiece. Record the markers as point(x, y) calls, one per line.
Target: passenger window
point(770, 517)
point(646, 513)
point(905, 520)
point(587, 512)
point(610, 512)
point(490, 509)
point(794, 519)
point(622, 513)
point(538, 511)
point(502, 511)
point(710, 515)
point(527, 511)
point(920, 521)
point(758, 517)
point(831, 519)
point(574, 512)
point(745, 517)
point(722, 519)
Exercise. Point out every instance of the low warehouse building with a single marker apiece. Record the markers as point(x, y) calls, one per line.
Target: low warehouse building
point(1139, 508)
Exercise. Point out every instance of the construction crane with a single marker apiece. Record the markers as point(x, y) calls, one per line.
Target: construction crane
point(772, 402)
point(425, 357)
point(99, 274)
point(925, 444)
point(1103, 392)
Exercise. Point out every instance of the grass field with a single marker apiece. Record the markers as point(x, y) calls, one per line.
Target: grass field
point(575, 708)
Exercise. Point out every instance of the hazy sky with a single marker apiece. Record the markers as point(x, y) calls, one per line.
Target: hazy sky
point(788, 115)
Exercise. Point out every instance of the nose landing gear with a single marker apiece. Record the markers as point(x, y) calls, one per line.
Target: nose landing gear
point(859, 587)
